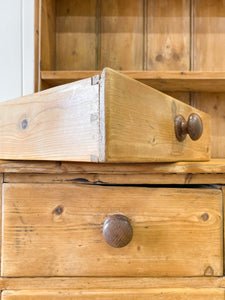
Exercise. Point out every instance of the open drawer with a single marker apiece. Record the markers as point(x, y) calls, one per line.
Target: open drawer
point(107, 118)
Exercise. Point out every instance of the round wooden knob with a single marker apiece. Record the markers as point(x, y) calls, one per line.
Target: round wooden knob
point(193, 127)
point(117, 231)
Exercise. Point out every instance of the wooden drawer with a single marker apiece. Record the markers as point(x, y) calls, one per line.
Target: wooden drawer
point(145, 294)
point(56, 230)
point(108, 119)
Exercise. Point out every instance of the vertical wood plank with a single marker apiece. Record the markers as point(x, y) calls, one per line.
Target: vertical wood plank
point(37, 53)
point(121, 34)
point(168, 37)
point(28, 46)
point(208, 48)
point(76, 35)
point(48, 35)
point(223, 199)
point(1, 181)
point(209, 35)
point(10, 50)
point(214, 105)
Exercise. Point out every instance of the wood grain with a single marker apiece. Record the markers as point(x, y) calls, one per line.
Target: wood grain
point(213, 104)
point(56, 230)
point(142, 294)
point(214, 167)
point(1, 181)
point(168, 35)
point(47, 35)
point(167, 42)
point(37, 54)
point(47, 38)
point(121, 34)
point(143, 130)
point(116, 179)
point(76, 35)
point(114, 119)
point(71, 283)
point(208, 43)
point(59, 124)
point(172, 81)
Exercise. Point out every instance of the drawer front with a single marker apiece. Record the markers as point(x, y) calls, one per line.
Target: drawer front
point(141, 294)
point(57, 230)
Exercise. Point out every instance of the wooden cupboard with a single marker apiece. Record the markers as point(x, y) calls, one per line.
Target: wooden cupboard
point(54, 212)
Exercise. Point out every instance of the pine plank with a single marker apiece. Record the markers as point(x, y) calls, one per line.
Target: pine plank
point(209, 40)
point(168, 35)
point(37, 54)
point(81, 283)
point(214, 167)
point(47, 35)
point(76, 35)
point(57, 124)
point(167, 39)
point(172, 238)
point(47, 39)
point(172, 81)
point(129, 122)
point(1, 181)
point(121, 34)
point(142, 294)
point(117, 179)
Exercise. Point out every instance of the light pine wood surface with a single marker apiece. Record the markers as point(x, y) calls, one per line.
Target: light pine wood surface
point(81, 283)
point(143, 294)
point(75, 28)
point(111, 119)
point(140, 124)
point(208, 55)
point(167, 81)
point(212, 167)
point(166, 50)
point(120, 34)
point(171, 237)
point(45, 21)
point(57, 124)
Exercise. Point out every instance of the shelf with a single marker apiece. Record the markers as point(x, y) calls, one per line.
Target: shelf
point(187, 81)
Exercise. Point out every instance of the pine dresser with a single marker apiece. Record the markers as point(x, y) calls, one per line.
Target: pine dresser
point(129, 212)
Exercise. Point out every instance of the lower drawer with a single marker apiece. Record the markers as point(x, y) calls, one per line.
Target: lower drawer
point(57, 230)
point(140, 294)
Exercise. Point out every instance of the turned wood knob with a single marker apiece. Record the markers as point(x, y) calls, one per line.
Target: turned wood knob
point(193, 127)
point(117, 231)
